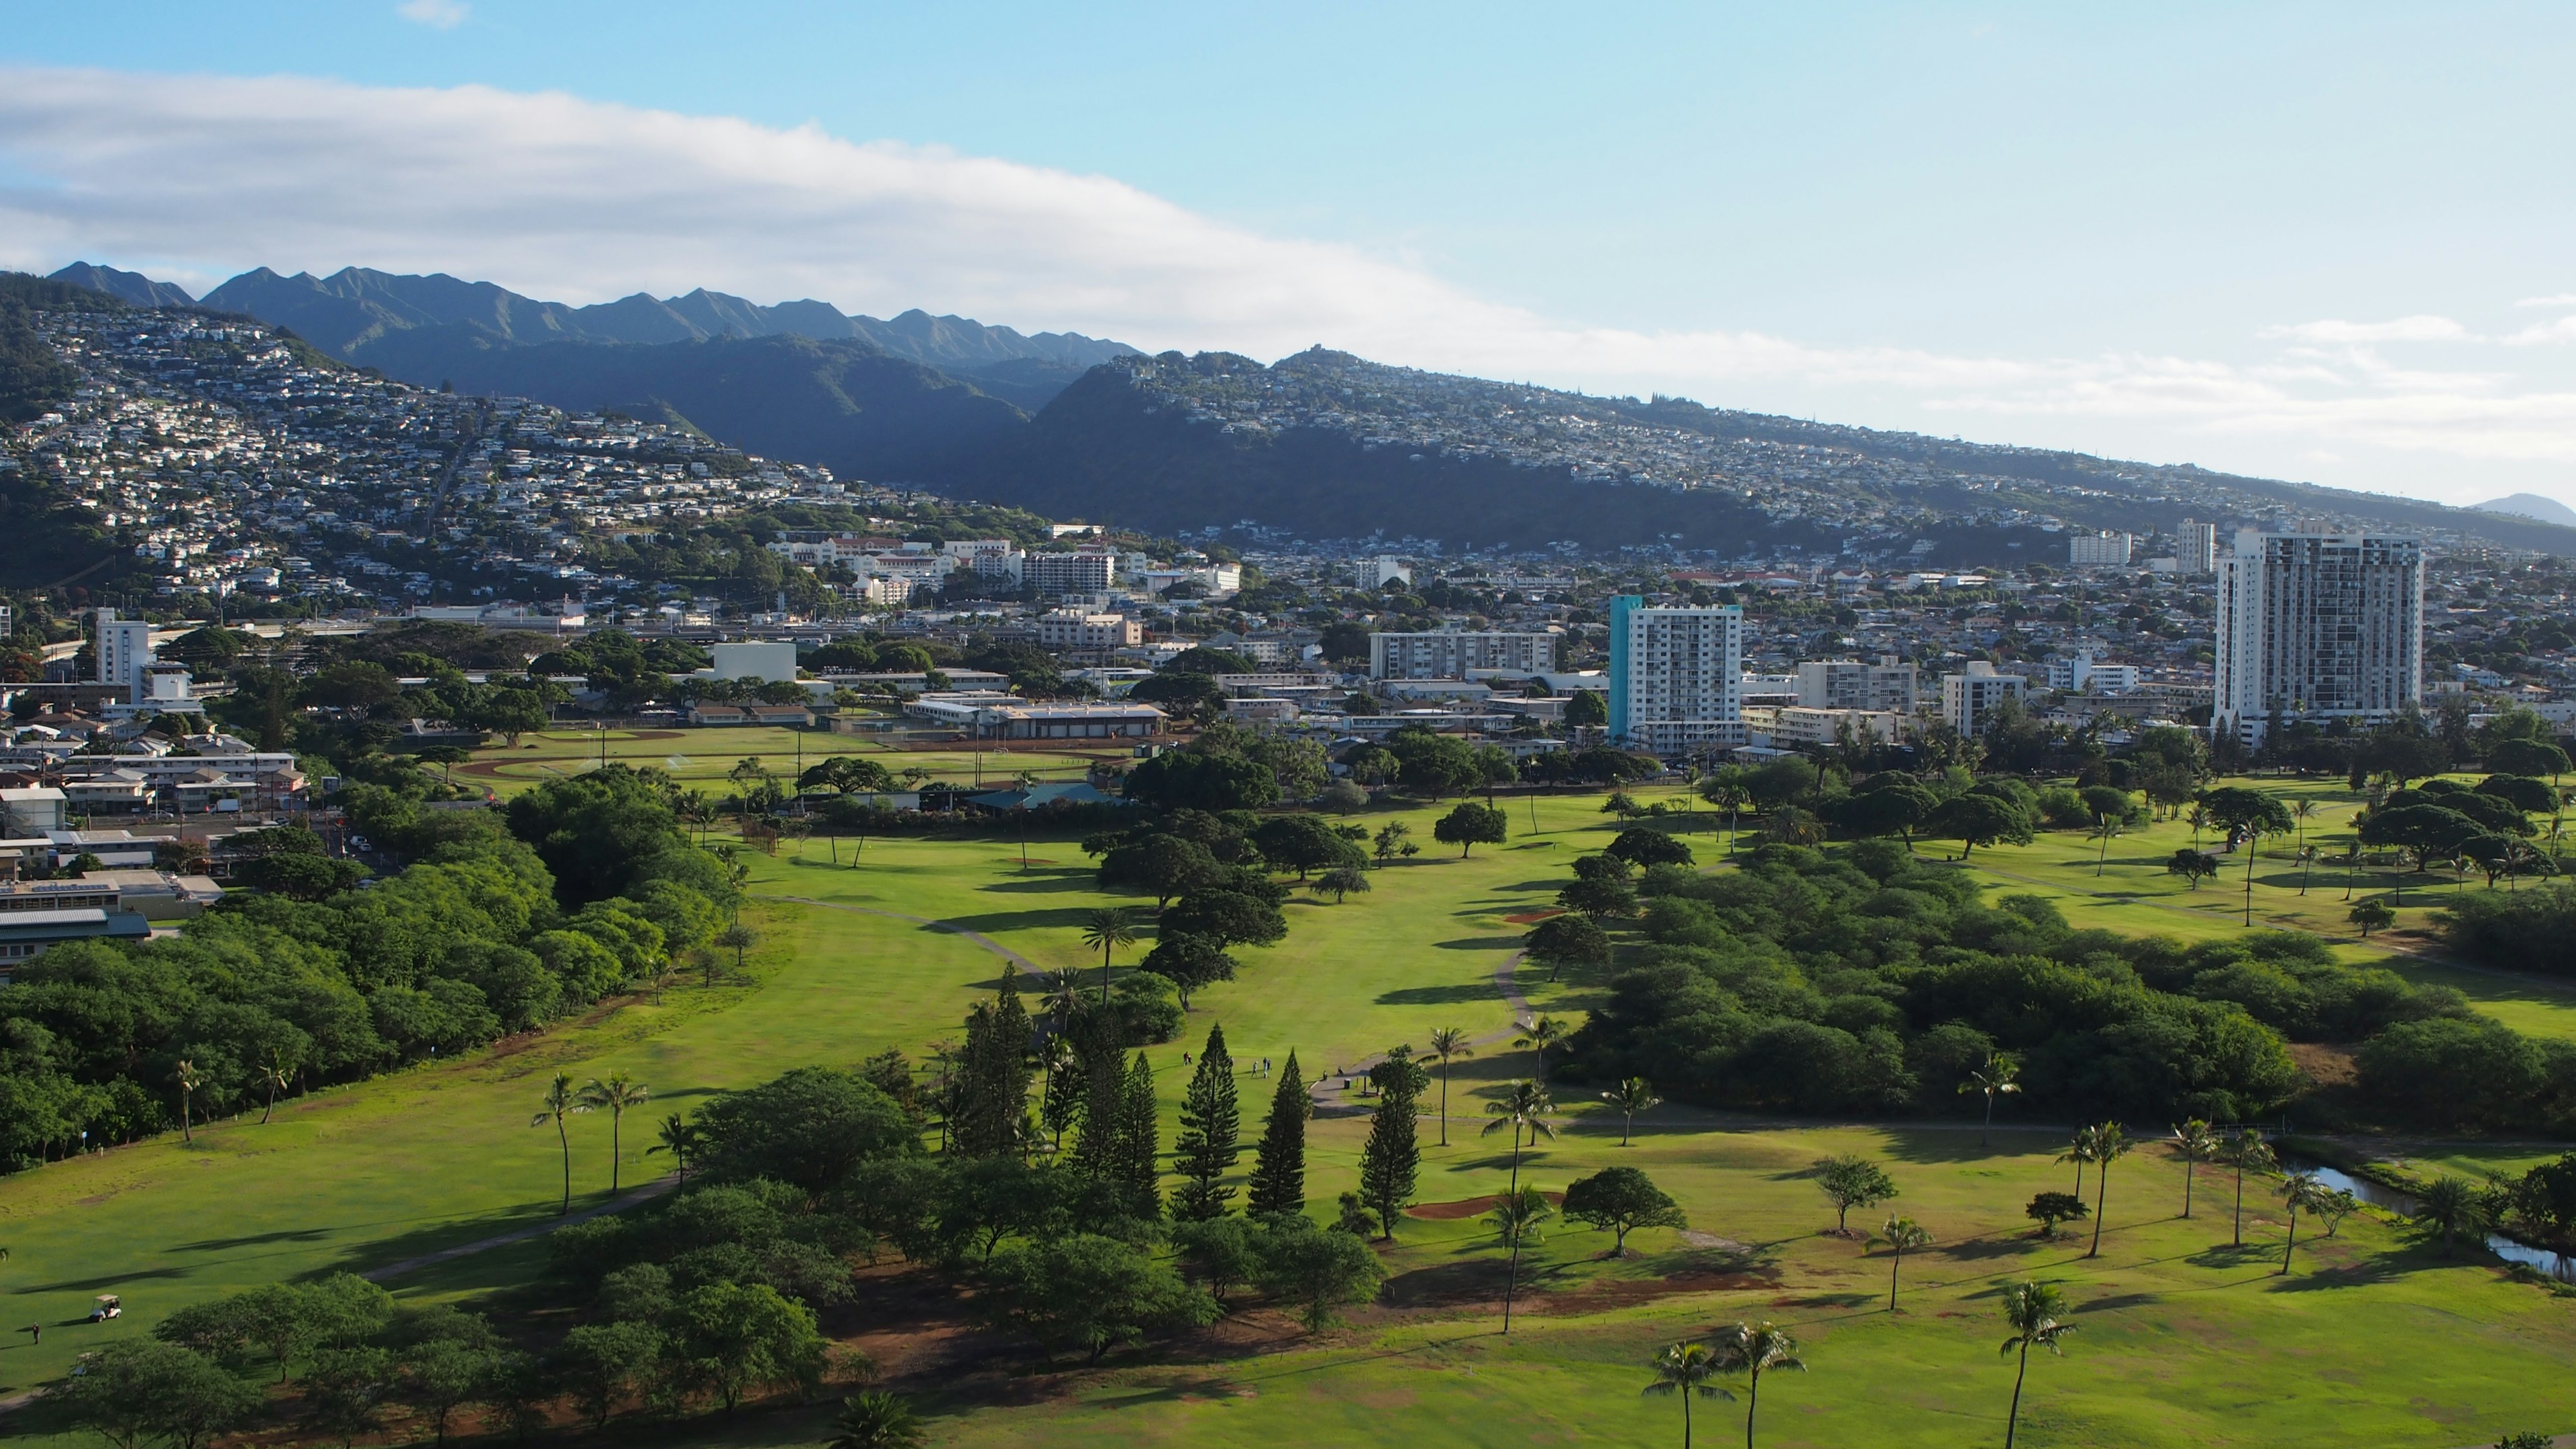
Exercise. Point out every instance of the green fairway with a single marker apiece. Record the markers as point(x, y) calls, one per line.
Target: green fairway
point(2184, 1341)
point(700, 758)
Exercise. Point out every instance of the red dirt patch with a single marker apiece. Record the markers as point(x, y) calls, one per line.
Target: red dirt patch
point(1441, 1212)
point(1530, 918)
point(1610, 1293)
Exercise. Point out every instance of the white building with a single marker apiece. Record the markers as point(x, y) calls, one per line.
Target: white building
point(1446, 655)
point(2196, 547)
point(1385, 569)
point(1674, 675)
point(1053, 574)
point(2099, 550)
point(1084, 630)
point(1851, 684)
point(768, 662)
point(1966, 699)
point(1794, 725)
point(2078, 674)
point(2318, 626)
point(124, 650)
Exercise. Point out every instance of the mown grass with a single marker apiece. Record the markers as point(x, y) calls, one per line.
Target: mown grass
point(2374, 1339)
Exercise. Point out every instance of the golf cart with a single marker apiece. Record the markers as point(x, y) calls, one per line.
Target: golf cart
point(109, 1306)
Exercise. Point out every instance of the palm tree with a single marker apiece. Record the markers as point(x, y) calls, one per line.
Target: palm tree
point(681, 1138)
point(1515, 1219)
point(1999, 1077)
point(1448, 1042)
point(561, 1101)
point(1543, 1036)
point(2105, 830)
point(2080, 1153)
point(274, 1076)
point(2299, 1190)
point(2032, 1310)
point(1754, 1350)
point(1105, 930)
point(1631, 1097)
point(2300, 811)
point(2246, 1151)
point(875, 1420)
point(2110, 1144)
point(1524, 1107)
point(2199, 821)
point(1685, 1369)
point(1900, 1235)
point(185, 1074)
point(2194, 1143)
point(2452, 1209)
point(616, 1094)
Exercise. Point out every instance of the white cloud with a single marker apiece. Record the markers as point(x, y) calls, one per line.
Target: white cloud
point(442, 14)
point(566, 198)
point(2560, 299)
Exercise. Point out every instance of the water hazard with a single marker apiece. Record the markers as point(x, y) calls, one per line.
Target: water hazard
point(2557, 1265)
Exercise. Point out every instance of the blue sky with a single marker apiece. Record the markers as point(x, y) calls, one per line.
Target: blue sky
point(2308, 241)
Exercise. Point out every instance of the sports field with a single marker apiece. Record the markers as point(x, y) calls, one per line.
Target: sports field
point(2183, 1340)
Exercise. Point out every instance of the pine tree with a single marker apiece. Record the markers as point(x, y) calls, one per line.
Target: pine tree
point(994, 1093)
point(1211, 1135)
point(1391, 1160)
point(1060, 1105)
point(1279, 1165)
point(1137, 1165)
point(1095, 1143)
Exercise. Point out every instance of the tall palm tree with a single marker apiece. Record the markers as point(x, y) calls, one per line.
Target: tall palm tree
point(273, 1074)
point(616, 1094)
point(2195, 1144)
point(1754, 1349)
point(1515, 1219)
point(1685, 1369)
point(2032, 1309)
point(2246, 1152)
point(561, 1101)
point(1523, 1108)
point(2110, 1144)
point(1105, 930)
point(2301, 810)
point(1542, 1036)
point(2199, 821)
point(185, 1074)
point(2300, 1190)
point(1448, 1042)
point(1631, 1097)
point(2105, 830)
point(681, 1138)
point(1901, 1235)
point(1999, 1077)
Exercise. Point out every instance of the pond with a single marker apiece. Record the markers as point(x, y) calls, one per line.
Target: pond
point(2556, 1264)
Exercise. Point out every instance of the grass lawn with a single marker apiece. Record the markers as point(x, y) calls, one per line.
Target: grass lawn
point(699, 758)
point(2184, 1341)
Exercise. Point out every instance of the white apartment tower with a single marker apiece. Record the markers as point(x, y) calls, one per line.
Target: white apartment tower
point(1886, 686)
point(2100, 550)
point(1971, 695)
point(1442, 654)
point(1675, 676)
point(2196, 547)
point(2314, 625)
point(124, 648)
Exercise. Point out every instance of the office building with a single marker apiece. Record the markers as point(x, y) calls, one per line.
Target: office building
point(1851, 684)
point(1675, 674)
point(2196, 547)
point(1444, 655)
point(2317, 626)
point(124, 649)
point(1968, 697)
point(2099, 550)
point(1083, 629)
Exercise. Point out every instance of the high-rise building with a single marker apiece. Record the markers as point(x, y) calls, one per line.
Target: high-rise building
point(1851, 684)
point(1968, 697)
point(2317, 626)
point(2099, 550)
point(1057, 574)
point(2196, 547)
point(124, 648)
point(1674, 676)
point(1448, 655)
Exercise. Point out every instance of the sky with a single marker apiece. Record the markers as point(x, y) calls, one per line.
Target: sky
point(2320, 242)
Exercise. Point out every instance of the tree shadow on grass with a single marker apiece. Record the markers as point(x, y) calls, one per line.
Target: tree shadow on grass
point(1438, 995)
point(1976, 1250)
point(2120, 1300)
point(2233, 1255)
point(1480, 943)
point(1961, 1146)
point(986, 924)
point(283, 1235)
point(2371, 1271)
point(106, 1280)
point(1038, 882)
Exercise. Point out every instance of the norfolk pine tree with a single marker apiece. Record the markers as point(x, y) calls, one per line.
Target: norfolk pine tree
point(1279, 1165)
point(1211, 1135)
point(1391, 1160)
point(1137, 1165)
